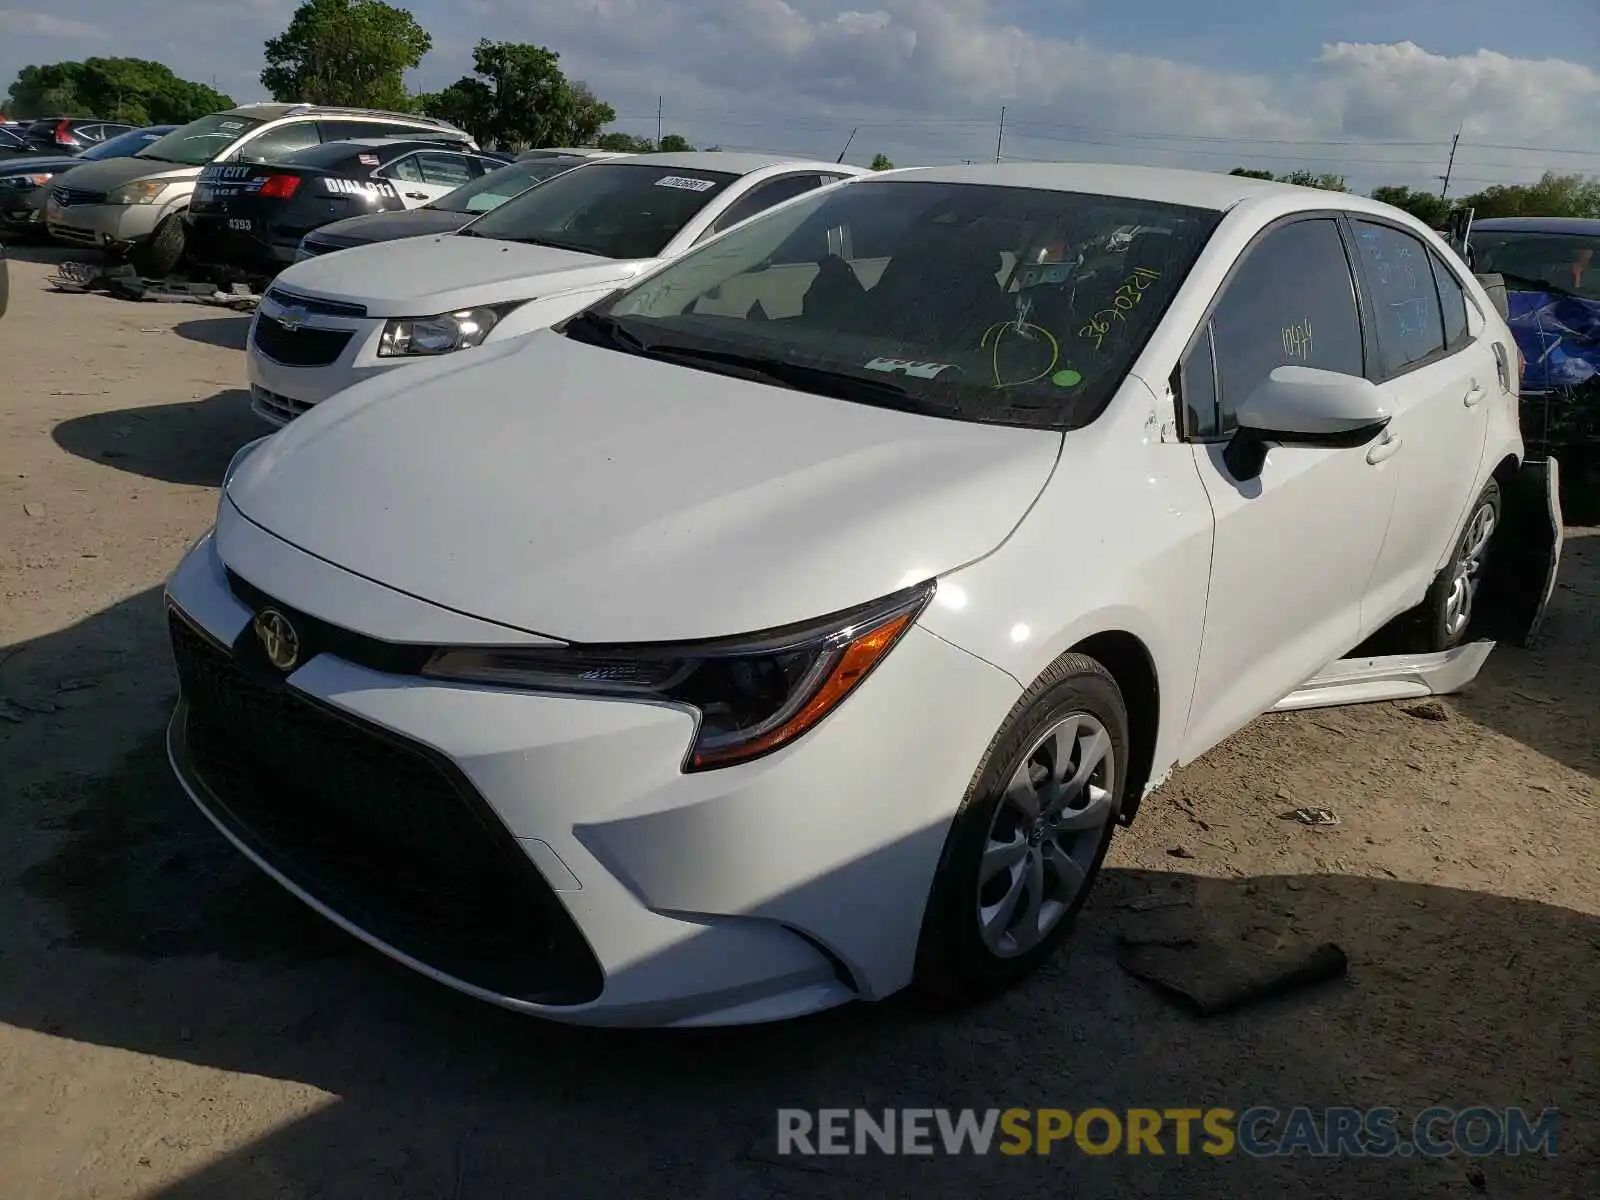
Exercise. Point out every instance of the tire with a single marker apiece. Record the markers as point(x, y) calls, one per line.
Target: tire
point(1443, 624)
point(956, 962)
point(160, 255)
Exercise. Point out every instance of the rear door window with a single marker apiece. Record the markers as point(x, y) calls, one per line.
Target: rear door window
point(1409, 324)
point(445, 169)
point(1453, 302)
point(406, 170)
point(277, 144)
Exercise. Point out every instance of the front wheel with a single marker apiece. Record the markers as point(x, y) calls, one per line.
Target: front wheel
point(160, 255)
point(1027, 844)
point(1451, 603)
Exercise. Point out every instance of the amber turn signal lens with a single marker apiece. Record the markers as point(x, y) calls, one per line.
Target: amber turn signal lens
point(852, 664)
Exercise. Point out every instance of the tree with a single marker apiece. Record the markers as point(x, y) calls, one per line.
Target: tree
point(1424, 206)
point(134, 90)
point(1553, 196)
point(880, 162)
point(674, 144)
point(353, 52)
point(625, 143)
point(519, 98)
point(1301, 178)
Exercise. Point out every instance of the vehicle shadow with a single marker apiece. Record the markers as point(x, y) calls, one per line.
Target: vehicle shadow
point(1548, 697)
point(230, 333)
point(50, 253)
point(189, 443)
point(129, 923)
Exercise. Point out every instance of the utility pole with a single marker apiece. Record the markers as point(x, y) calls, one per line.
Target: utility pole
point(659, 100)
point(1449, 166)
point(850, 139)
point(1001, 138)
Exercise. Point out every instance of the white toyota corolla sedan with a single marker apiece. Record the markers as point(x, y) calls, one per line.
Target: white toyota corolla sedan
point(799, 623)
point(331, 322)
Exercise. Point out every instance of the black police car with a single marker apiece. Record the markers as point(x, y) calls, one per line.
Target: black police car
point(248, 219)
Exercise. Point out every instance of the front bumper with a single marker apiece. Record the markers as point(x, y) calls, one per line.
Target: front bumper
point(103, 226)
point(331, 353)
point(599, 884)
point(22, 211)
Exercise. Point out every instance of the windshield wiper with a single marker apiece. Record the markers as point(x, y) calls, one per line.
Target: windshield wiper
point(782, 373)
point(608, 328)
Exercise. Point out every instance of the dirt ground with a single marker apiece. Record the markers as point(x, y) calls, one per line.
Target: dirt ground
point(173, 1025)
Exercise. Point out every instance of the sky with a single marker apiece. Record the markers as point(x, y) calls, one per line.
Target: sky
point(1371, 89)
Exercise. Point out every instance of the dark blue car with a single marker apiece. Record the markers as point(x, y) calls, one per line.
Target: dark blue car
point(1551, 267)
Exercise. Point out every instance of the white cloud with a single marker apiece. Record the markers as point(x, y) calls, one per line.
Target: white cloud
point(925, 79)
point(19, 23)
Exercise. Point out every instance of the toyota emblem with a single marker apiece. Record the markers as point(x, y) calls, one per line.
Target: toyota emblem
point(278, 638)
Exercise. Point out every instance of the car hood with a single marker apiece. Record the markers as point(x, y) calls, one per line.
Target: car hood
point(109, 172)
point(589, 495)
point(386, 226)
point(53, 164)
point(421, 276)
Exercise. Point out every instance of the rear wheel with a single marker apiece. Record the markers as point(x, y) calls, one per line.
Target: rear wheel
point(1446, 615)
point(161, 254)
point(1027, 844)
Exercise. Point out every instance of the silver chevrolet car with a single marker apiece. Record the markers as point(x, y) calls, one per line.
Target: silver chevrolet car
point(132, 207)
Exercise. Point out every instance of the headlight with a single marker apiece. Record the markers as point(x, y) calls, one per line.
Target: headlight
point(23, 182)
point(408, 337)
point(753, 694)
point(143, 191)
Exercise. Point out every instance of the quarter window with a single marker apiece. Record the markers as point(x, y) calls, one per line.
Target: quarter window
point(1410, 327)
point(406, 170)
point(1291, 302)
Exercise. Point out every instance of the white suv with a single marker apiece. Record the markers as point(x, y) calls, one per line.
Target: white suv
point(331, 321)
point(133, 206)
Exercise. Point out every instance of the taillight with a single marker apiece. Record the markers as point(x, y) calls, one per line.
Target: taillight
point(64, 134)
point(280, 187)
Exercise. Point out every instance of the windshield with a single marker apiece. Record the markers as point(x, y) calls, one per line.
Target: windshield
point(1001, 304)
point(124, 144)
point(200, 141)
point(1530, 260)
point(614, 210)
point(495, 188)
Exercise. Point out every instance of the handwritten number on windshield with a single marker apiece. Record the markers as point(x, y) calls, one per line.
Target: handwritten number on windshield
point(1123, 301)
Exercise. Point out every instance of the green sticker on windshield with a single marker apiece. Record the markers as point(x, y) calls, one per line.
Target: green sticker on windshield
point(1067, 378)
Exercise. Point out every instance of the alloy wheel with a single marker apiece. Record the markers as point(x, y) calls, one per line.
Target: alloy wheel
point(1046, 833)
point(1468, 573)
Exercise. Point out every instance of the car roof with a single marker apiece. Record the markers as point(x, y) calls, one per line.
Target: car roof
point(737, 163)
point(1579, 225)
point(421, 137)
point(1198, 189)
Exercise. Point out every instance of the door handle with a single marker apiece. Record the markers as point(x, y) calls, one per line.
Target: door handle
point(1475, 397)
point(416, 195)
point(1385, 448)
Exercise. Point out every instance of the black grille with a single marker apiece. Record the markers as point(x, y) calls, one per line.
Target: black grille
point(379, 829)
point(67, 197)
point(318, 308)
point(301, 347)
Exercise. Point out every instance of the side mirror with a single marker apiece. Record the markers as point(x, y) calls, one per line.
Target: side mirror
point(1304, 406)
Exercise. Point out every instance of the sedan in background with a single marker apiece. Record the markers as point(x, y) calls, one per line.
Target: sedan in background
point(799, 623)
point(66, 135)
point(445, 215)
point(250, 218)
point(329, 322)
point(25, 182)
